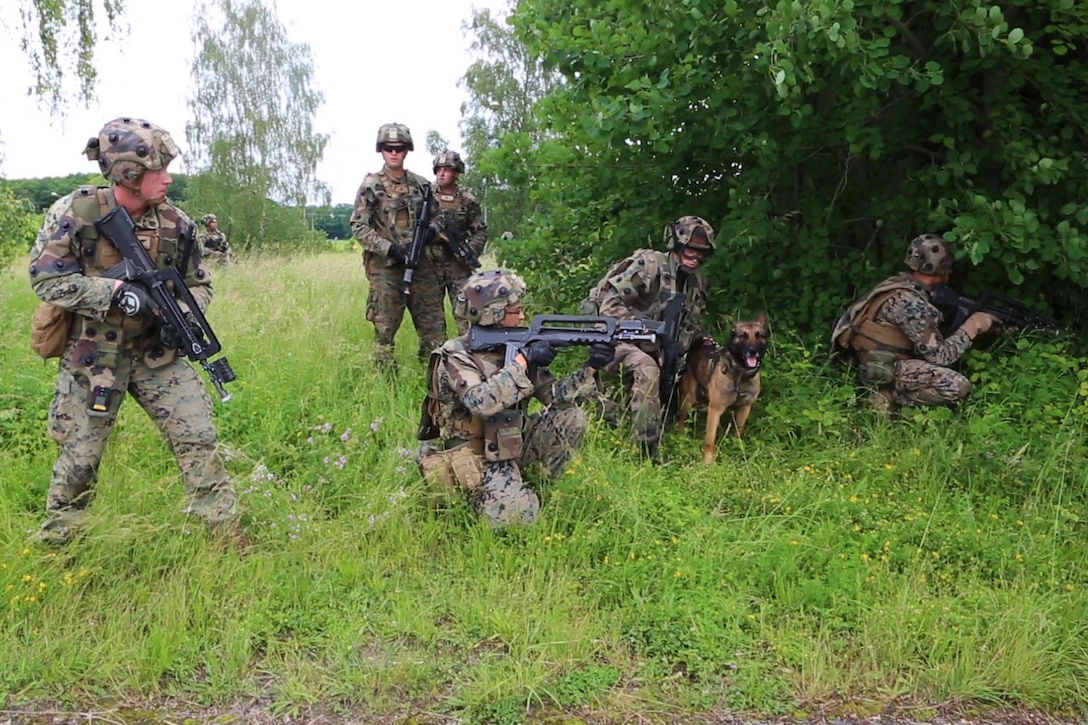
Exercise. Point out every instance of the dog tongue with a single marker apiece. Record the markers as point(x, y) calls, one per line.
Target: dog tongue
point(752, 361)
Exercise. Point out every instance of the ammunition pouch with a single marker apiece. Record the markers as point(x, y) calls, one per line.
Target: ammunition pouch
point(50, 329)
point(456, 469)
point(878, 370)
point(502, 436)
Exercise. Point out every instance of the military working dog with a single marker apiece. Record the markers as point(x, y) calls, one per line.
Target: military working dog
point(723, 378)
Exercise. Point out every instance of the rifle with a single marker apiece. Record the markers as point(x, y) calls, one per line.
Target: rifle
point(457, 244)
point(188, 331)
point(559, 330)
point(668, 334)
point(1010, 312)
point(420, 237)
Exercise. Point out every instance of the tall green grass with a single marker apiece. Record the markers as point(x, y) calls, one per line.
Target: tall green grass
point(831, 558)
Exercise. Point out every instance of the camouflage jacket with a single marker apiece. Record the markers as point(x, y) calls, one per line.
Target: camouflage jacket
point(69, 259)
point(467, 216)
point(908, 310)
point(465, 387)
point(640, 286)
point(386, 210)
point(212, 241)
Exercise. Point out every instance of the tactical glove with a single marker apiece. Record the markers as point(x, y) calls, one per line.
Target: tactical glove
point(978, 323)
point(540, 353)
point(131, 299)
point(600, 355)
point(396, 253)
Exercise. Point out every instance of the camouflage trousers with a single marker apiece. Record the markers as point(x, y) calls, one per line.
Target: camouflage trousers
point(386, 303)
point(175, 398)
point(551, 438)
point(920, 383)
point(222, 259)
point(642, 374)
point(451, 276)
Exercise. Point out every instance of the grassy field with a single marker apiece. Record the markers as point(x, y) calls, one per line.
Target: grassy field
point(830, 562)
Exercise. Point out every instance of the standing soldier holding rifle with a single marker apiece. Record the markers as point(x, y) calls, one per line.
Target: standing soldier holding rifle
point(388, 208)
point(464, 232)
point(110, 340)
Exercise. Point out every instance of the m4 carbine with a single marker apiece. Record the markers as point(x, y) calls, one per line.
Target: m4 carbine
point(1009, 311)
point(420, 237)
point(186, 330)
point(560, 331)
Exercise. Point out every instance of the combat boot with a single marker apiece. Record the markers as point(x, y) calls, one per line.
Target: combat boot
point(651, 451)
point(881, 402)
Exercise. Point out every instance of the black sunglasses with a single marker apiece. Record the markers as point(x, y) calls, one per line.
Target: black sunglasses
point(395, 149)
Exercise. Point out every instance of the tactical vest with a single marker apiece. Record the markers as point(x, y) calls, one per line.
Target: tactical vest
point(98, 346)
point(401, 202)
point(857, 329)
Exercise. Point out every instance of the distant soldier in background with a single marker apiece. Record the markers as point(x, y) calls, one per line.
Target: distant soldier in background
point(114, 346)
point(459, 208)
point(893, 333)
point(214, 246)
point(639, 288)
point(387, 206)
point(476, 407)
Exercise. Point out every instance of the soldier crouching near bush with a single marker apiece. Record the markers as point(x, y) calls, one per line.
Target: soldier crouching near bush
point(477, 407)
point(107, 338)
point(893, 333)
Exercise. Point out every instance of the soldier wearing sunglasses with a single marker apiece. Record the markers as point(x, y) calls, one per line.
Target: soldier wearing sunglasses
point(387, 206)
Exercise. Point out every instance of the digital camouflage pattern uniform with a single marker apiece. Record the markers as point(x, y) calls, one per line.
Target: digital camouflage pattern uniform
point(214, 247)
point(461, 209)
point(111, 351)
point(385, 214)
point(894, 334)
point(638, 288)
point(474, 401)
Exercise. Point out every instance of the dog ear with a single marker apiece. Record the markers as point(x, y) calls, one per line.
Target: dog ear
point(762, 319)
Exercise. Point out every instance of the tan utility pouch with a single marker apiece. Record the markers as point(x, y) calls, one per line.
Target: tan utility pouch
point(502, 436)
point(50, 329)
point(878, 368)
point(456, 469)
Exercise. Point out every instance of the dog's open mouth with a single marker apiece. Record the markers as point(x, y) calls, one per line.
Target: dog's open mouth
point(751, 360)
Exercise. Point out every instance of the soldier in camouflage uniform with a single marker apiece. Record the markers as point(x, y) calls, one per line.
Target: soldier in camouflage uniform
point(214, 247)
point(384, 219)
point(477, 406)
point(893, 333)
point(114, 346)
point(459, 208)
point(638, 288)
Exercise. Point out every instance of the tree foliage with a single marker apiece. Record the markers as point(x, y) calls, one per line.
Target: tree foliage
point(251, 141)
point(499, 126)
point(818, 137)
point(58, 38)
point(17, 226)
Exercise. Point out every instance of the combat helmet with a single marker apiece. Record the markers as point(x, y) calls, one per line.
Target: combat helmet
point(394, 133)
point(208, 219)
point(692, 232)
point(930, 254)
point(127, 147)
point(448, 158)
point(487, 294)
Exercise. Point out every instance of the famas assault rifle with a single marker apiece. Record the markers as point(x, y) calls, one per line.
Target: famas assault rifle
point(1010, 312)
point(185, 330)
point(457, 243)
point(560, 331)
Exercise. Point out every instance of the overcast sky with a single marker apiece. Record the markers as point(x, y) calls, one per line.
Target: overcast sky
point(376, 61)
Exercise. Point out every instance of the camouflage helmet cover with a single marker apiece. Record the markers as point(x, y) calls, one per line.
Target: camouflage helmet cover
point(487, 294)
point(394, 133)
point(690, 231)
point(450, 159)
point(127, 147)
point(929, 254)
point(208, 219)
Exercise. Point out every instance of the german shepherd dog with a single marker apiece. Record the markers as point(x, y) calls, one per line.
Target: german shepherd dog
point(724, 377)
